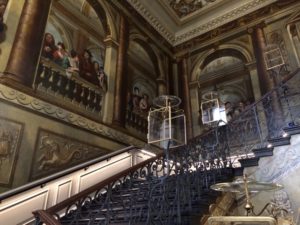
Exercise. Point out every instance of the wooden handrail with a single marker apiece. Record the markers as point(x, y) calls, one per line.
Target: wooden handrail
point(46, 217)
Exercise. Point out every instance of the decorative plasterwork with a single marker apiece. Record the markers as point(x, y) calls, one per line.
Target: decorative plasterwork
point(221, 20)
point(55, 152)
point(190, 8)
point(153, 21)
point(200, 24)
point(11, 95)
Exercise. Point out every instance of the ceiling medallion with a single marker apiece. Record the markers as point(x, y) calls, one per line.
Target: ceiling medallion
point(185, 7)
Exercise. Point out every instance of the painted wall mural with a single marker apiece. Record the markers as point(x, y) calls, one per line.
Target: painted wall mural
point(82, 64)
point(10, 137)
point(275, 38)
point(139, 99)
point(55, 152)
point(3, 4)
point(221, 63)
point(186, 7)
point(75, 47)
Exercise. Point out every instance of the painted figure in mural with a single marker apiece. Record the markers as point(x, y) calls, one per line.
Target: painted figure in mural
point(49, 46)
point(144, 103)
point(101, 76)
point(136, 99)
point(240, 108)
point(61, 56)
point(74, 61)
point(228, 111)
point(2, 10)
point(281, 208)
point(129, 101)
point(86, 67)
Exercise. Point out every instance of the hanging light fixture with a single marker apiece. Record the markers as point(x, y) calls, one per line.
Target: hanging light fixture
point(167, 123)
point(212, 110)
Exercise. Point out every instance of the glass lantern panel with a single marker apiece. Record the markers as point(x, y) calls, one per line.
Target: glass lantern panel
point(212, 112)
point(165, 128)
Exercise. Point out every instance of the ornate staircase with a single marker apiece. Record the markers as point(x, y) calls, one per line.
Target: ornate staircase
point(144, 194)
point(176, 190)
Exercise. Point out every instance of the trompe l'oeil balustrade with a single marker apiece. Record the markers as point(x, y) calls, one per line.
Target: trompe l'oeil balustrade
point(69, 87)
point(137, 120)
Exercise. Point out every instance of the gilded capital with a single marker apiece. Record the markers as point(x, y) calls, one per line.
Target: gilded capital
point(110, 42)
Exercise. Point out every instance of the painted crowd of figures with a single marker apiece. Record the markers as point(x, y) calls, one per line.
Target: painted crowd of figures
point(73, 62)
point(137, 103)
point(233, 110)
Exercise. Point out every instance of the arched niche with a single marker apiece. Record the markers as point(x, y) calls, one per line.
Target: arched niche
point(95, 10)
point(223, 71)
point(234, 50)
point(143, 68)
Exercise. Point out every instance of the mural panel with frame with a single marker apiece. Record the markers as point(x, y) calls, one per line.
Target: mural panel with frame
point(10, 137)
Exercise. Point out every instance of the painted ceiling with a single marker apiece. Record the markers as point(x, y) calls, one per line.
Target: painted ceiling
point(181, 20)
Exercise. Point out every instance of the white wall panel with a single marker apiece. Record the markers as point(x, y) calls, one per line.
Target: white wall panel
point(63, 191)
point(102, 173)
point(18, 209)
point(21, 209)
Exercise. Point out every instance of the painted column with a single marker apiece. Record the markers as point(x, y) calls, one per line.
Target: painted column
point(171, 77)
point(266, 79)
point(25, 53)
point(119, 114)
point(111, 54)
point(162, 89)
point(161, 80)
point(254, 80)
point(174, 79)
point(185, 95)
point(259, 44)
point(196, 111)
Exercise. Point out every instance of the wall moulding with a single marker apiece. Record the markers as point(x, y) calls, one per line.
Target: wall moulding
point(28, 102)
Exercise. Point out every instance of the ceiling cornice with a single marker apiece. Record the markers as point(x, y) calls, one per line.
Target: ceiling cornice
point(223, 19)
point(190, 16)
point(153, 21)
point(198, 28)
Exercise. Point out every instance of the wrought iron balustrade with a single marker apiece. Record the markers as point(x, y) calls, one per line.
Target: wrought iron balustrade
point(147, 193)
point(256, 126)
point(68, 87)
point(161, 191)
